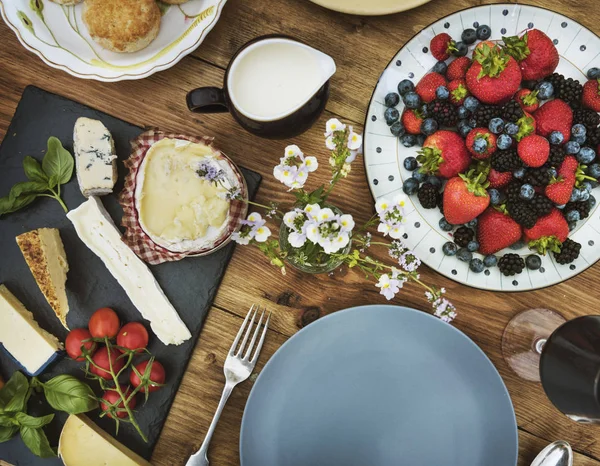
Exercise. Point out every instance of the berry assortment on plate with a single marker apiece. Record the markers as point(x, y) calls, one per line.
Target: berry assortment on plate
point(508, 147)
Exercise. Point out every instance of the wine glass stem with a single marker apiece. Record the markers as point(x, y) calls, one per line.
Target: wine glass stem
point(539, 345)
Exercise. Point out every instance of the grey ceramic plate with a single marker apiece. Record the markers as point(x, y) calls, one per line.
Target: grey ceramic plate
point(379, 386)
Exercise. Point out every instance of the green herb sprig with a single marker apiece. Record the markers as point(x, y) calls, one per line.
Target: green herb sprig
point(45, 179)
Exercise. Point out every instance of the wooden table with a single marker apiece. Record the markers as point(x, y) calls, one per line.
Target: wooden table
point(361, 46)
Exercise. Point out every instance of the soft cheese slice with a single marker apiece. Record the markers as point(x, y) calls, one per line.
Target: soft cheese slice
point(97, 230)
point(82, 442)
point(95, 157)
point(22, 337)
point(45, 255)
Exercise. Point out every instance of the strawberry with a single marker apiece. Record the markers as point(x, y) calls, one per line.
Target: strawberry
point(488, 43)
point(487, 136)
point(528, 100)
point(428, 84)
point(560, 189)
point(465, 198)
point(534, 150)
point(458, 91)
point(499, 179)
point(548, 233)
point(535, 53)
point(568, 166)
point(496, 230)
point(411, 120)
point(444, 153)
point(457, 69)
point(494, 76)
point(526, 126)
point(591, 94)
point(555, 115)
point(441, 46)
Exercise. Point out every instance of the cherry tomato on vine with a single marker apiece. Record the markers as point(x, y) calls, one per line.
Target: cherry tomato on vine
point(100, 359)
point(104, 323)
point(74, 342)
point(157, 376)
point(133, 336)
point(111, 398)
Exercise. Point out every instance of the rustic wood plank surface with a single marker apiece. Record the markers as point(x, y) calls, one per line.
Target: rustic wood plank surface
point(361, 46)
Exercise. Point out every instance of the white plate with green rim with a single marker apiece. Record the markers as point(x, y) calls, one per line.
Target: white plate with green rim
point(57, 34)
point(370, 7)
point(579, 50)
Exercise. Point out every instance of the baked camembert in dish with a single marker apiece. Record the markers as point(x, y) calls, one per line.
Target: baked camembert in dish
point(182, 195)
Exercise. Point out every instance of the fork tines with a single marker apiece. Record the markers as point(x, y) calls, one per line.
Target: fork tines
point(251, 318)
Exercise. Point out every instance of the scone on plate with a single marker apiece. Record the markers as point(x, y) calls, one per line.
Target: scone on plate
point(123, 26)
point(67, 2)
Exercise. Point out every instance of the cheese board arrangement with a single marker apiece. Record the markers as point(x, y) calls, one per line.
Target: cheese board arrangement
point(125, 304)
point(488, 119)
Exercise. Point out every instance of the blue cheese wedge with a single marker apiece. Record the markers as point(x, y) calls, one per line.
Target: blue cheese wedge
point(95, 157)
point(30, 345)
point(99, 233)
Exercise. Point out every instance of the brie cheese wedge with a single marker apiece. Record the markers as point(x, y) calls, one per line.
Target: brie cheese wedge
point(99, 233)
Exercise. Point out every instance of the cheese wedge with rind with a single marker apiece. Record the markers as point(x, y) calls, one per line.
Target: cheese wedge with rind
point(31, 346)
point(82, 442)
point(99, 233)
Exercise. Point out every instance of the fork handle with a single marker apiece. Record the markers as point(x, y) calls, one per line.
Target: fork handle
point(200, 458)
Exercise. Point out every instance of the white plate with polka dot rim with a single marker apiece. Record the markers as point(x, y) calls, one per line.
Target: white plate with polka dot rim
point(579, 49)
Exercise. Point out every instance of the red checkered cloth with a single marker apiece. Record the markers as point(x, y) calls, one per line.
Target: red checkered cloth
point(135, 237)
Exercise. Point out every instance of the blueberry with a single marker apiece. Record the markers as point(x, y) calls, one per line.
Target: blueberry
point(519, 173)
point(533, 262)
point(556, 138)
point(584, 195)
point(483, 32)
point(397, 129)
point(578, 130)
point(545, 90)
point(435, 181)
point(449, 248)
point(527, 192)
point(494, 196)
point(496, 125)
point(572, 147)
point(410, 164)
point(518, 245)
point(490, 261)
point(594, 170)
point(411, 99)
point(587, 185)
point(504, 142)
point(572, 226)
point(553, 172)
point(593, 73)
point(392, 99)
point(592, 201)
point(464, 255)
point(461, 49)
point(442, 93)
point(476, 265)
point(440, 67)
point(464, 128)
point(594, 184)
point(578, 139)
point(472, 246)
point(462, 112)
point(419, 176)
point(392, 115)
point(405, 86)
point(469, 36)
point(471, 103)
point(561, 206)
point(480, 145)
point(420, 140)
point(575, 195)
point(472, 223)
point(423, 111)
point(573, 216)
point(445, 226)
point(472, 122)
point(408, 140)
point(429, 126)
point(586, 155)
point(410, 186)
point(511, 129)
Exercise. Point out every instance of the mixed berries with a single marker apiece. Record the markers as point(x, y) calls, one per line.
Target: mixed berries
point(508, 147)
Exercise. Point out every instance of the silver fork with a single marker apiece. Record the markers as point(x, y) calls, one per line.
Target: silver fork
point(237, 368)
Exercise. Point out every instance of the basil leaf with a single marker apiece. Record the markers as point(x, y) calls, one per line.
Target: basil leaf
point(58, 161)
point(27, 187)
point(6, 205)
point(53, 181)
point(34, 170)
point(6, 433)
point(14, 393)
point(22, 201)
point(69, 394)
point(7, 420)
point(34, 422)
point(37, 442)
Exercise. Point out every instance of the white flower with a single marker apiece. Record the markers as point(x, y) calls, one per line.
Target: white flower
point(347, 223)
point(311, 163)
point(354, 141)
point(296, 239)
point(391, 216)
point(334, 125)
point(294, 167)
point(329, 143)
point(388, 286)
point(241, 238)
point(383, 228)
point(325, 215)
point(261, 234)
point(332, 161)
point(409, 262)
point(396, 232)
point(382, 205)
point(444, 309)
point(312, 231)
point(312, 210)
point(255, 218)
point(293, 151)
point(352, 157)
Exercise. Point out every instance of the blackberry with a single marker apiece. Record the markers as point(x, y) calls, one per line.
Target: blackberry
point(463, 236)
point(537, 176)
point(484, 113)
point(567, 89)
point(541, 205)
point(568, 252)
point(586, 117)
point(593, 137)
point(583, 207)
point(512, 111)
point(513, 191)
point(511, 264)
point(428, 196)
point(440, 204)
point(506, 160)
point(443, 111)
point(556, 157)
point(522, 213)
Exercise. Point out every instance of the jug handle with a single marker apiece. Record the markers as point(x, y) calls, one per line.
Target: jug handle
point(207, 100)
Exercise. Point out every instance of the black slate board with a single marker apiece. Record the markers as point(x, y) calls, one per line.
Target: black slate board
point(190, 284)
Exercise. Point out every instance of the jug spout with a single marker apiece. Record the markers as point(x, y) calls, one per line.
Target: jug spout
point(326, 64)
